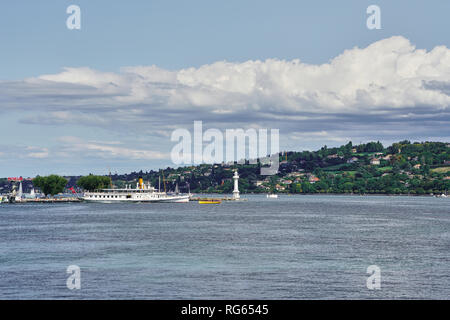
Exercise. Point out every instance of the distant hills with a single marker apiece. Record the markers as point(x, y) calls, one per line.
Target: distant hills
point(402, 168)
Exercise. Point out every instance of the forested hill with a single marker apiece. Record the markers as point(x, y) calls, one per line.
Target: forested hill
point(402, 168)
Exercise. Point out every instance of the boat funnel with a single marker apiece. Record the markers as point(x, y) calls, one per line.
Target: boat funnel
point(141, 183)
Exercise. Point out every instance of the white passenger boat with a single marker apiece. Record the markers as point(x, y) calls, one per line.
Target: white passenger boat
point(272, 196)
point(142, 193)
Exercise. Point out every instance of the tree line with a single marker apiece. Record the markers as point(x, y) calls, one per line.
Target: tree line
point(405, 168)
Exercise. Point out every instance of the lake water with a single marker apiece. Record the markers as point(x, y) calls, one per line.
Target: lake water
point(294, 247)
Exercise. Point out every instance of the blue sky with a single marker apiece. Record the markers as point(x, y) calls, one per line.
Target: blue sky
point(180, 34)
point(44, 110)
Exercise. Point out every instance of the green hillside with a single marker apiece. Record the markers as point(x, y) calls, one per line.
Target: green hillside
point(402, 168)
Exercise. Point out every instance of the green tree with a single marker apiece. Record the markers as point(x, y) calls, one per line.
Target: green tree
point(308, 187)
point(296, 188)
point(347, 187)
point(50, 185)
point(321, 186)
point(92, 182)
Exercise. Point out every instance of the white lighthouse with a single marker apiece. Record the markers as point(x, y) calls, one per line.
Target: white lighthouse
point(236, 186)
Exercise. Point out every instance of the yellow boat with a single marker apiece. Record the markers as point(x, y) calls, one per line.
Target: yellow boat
point(206, 201)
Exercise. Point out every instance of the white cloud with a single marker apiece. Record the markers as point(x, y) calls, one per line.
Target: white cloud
point(390, 73)
point(75, 146)
point(388, 89)
point(15, 152)
point(317, 136)
point(36, 152)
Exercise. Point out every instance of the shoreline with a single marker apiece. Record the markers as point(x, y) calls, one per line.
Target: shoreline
point(199, 195)
point(332, 194)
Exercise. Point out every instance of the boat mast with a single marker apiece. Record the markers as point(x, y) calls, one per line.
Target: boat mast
point(110, 179)
point(164, 182)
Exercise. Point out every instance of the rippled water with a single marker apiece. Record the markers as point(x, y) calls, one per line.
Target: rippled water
point(294, 247)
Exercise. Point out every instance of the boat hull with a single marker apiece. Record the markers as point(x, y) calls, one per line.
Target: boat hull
point(209, 202)
point(169, 199)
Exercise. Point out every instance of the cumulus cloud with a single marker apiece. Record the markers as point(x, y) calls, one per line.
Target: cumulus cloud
point(390, 88)
point(390, 73)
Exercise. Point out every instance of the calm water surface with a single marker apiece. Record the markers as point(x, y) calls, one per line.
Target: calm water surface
point(294, 247)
